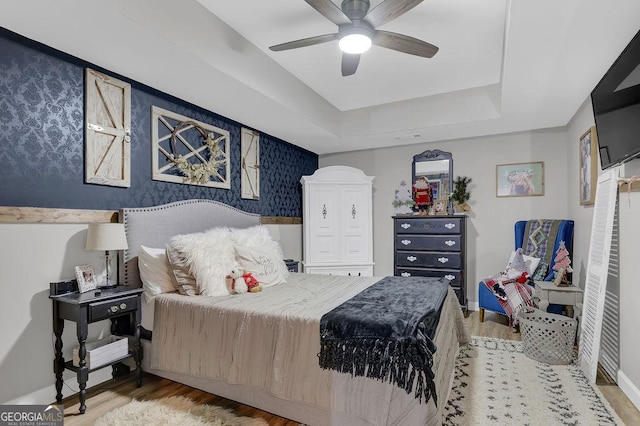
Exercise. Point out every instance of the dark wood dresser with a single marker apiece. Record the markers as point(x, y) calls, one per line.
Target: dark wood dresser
point(432, 246)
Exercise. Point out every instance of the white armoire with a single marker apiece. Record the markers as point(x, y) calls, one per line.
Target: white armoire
point(337, 222)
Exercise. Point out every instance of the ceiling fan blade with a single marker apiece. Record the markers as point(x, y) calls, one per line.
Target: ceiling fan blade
point(389, 10)
point(329, 10)
point(405, 44)
point(350, 63)
point(304, 42)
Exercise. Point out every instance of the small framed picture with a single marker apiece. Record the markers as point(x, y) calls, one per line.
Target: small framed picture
point(520, 179)
point(86, 276)
point(440, 207)
point(588, 167)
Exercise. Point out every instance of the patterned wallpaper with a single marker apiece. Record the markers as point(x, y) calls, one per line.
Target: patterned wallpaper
point(42, 142)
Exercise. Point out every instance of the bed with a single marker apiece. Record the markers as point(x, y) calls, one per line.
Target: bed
point(262, 349)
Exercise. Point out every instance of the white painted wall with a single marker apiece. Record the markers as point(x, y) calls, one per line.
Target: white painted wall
point(490, 235)
point(32, 256)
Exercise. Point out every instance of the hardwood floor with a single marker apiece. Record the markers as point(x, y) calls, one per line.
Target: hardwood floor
point(110, 395)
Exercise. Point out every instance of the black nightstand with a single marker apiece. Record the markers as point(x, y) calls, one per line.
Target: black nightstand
point(120, 304)
point(292, 265)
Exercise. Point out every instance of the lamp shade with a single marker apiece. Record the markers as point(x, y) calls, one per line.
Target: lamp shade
point(106, 236)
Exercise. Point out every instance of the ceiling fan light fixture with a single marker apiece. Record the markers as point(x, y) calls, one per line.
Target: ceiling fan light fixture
point(355, 43)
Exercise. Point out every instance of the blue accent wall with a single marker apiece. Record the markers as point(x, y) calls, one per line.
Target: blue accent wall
point(42, 142)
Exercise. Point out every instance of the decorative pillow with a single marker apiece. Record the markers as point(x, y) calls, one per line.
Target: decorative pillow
point(522, 263)
point(200, 262)
point(258, 253)
point(155, 272)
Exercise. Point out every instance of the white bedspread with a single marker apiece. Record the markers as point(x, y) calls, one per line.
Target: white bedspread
point(269, 341)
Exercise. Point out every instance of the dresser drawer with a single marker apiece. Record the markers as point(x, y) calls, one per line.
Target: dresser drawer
point(453, 275)
point(429, 242)
point(429, 259)
point(112, 308)
point(446, 225)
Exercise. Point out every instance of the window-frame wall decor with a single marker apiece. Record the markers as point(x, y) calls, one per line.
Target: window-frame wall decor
point(181, 146)
point(250, 167)
point(108, 130)
point(520, 179)
point(588, 166)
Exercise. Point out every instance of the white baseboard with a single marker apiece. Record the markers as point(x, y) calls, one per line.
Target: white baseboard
point(472, 306)
point(629, 389)
point(47, 395)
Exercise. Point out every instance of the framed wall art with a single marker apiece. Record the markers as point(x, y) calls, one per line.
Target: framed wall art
point(588, 166)
point(188, 151)
point(86, 276)
point(250, 177)
point(108, 130)
point(520, 179)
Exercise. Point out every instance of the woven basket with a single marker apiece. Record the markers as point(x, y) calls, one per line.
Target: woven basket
point(547, 337)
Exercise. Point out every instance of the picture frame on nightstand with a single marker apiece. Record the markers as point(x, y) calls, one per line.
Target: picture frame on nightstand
point(86, 276)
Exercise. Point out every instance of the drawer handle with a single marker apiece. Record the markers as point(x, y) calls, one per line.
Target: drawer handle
point(406, 242)
point(405, 274)
point(412, 258)
point(449, 277)
point(443, 259)
point(113, 309)
point(450, 225)
point(405, 226)
point(324, 211)
point(450, 243)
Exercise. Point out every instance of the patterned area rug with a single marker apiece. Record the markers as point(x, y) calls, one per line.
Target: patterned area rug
point(496, 384)
point(174, 411)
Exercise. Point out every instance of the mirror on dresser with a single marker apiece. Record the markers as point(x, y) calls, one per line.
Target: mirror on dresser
point(437, 167)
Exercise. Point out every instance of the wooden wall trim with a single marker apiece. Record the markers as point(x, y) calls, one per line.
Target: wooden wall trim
point(49, 215)
point(280, 220)
point(635, 186)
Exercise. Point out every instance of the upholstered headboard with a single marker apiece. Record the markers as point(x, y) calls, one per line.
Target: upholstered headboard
point(154, 227)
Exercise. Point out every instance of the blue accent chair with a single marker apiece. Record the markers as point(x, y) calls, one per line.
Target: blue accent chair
point(486, 299)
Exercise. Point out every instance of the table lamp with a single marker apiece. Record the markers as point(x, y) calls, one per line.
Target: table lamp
point(107, 237)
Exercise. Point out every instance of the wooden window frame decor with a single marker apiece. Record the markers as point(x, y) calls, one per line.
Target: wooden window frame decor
point(188, 151)
point(250, 174)
point(520, 179)
point(108, 130)
point(588, 166)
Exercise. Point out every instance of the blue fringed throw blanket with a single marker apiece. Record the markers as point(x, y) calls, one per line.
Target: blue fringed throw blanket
point(385, 333)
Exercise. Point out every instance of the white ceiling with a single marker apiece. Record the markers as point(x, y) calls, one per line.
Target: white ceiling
point(503, 65)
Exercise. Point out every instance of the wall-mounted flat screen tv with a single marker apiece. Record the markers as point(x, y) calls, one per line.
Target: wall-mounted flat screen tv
point(616, 108)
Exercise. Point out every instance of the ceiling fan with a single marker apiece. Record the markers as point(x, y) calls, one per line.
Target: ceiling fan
point(357, 30)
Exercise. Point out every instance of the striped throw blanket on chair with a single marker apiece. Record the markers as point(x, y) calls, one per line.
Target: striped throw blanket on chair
point(512, 296)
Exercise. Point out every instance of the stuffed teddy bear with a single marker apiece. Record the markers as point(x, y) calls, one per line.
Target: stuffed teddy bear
point(252, 283)
point(237, 284)
point(242, 281)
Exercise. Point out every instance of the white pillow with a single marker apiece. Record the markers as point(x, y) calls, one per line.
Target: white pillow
point(155, 272)
point(531, 262)
point(258, 253)
point(207, 256)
